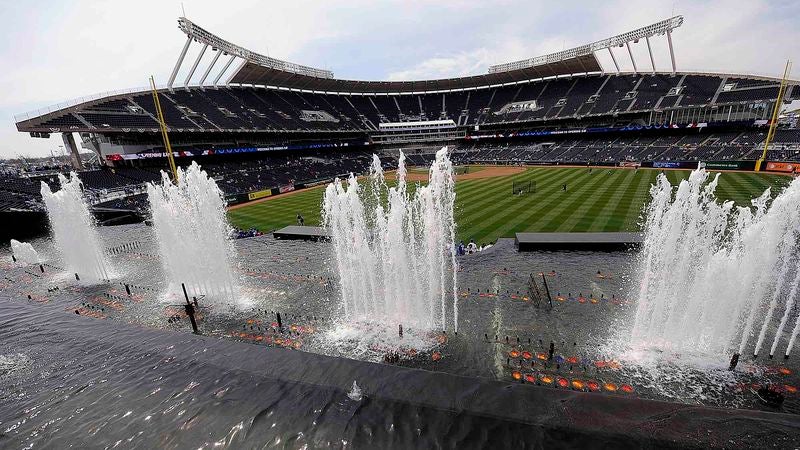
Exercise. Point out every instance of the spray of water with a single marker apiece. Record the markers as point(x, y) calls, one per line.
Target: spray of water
point(193, 235)
point(74, 230)
point(711, 275)
point(394, 252)
point(24, 252)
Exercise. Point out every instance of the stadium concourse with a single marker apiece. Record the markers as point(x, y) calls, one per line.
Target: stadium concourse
point(274, 126)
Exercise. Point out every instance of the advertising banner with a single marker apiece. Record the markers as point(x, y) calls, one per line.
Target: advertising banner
point(786, 167)
point(673, 165)
point(728, 165)
point(259, 194)
point(666, 164)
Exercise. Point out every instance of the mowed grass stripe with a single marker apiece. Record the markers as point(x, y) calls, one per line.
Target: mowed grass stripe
point(730, 188)
point(496, 182)
point(528, 205)
point(756, 184)
point(628, 209)
point(479, 217)
point(495, 228)
point(557, 217)
point(489, 201)
point(605, 205)
point(486, 208)
point(528, 222)
point(584, 216)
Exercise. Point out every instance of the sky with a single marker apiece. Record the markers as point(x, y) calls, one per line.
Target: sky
point(56, 51)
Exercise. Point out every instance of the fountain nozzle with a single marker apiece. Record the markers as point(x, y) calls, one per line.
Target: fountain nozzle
point(734, 361)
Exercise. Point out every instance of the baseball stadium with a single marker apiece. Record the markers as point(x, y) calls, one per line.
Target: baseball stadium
point(553, 253)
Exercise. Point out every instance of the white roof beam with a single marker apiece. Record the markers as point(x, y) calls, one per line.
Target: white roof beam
point(671, 51)
point(664, 26)
point(650, 51)
point(210, 66)
point(206, 37)
point(194, 66)
point(613, 58)
point(224, 69)
point(179, 62)
point(630, 54)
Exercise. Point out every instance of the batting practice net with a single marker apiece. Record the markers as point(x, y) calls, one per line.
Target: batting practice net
point(523, 187)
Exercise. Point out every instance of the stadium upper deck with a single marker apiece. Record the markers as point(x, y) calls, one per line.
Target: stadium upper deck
point(265, 97)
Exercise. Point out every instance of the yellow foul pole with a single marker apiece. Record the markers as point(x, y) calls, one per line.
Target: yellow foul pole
point(775, 112)
point(163, 125)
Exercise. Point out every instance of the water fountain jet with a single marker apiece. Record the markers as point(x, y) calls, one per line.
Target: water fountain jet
point(708, 270)
point(395, 258)
point(74, 230)
point(193, 235)
point(24, 252)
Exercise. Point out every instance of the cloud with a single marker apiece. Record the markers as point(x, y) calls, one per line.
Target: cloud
point(460, 64)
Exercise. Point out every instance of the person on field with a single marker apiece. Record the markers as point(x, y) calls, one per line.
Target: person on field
point(300, 220)
point(472, 247)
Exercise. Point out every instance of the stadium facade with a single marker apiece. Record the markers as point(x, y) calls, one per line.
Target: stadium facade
point(263, 126)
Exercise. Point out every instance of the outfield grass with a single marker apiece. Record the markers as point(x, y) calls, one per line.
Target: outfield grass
point(605, 200)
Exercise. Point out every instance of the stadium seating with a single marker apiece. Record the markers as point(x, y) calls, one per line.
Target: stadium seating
point(240, 108)
point(265, 171)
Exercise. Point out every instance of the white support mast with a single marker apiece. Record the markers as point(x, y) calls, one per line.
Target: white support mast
point(194, 66)
point(613, 58)
point(630, 54)
point(201, 35)
point(671, 52)
point(658, 28)
point(224, 69)
point(210, 66)
point(179, 62)
point(650, 51)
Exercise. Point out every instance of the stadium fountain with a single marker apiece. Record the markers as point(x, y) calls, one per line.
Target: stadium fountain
point(193, 235)
point(394, 249)
point(74, 230)
point(715, 279)
point(24, 252)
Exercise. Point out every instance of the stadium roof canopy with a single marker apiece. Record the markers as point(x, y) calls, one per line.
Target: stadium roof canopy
point(255, 74)
point(260, 70)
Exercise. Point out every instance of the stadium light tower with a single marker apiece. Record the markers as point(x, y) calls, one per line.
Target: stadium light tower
point(221, 46)
point(625, 39)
